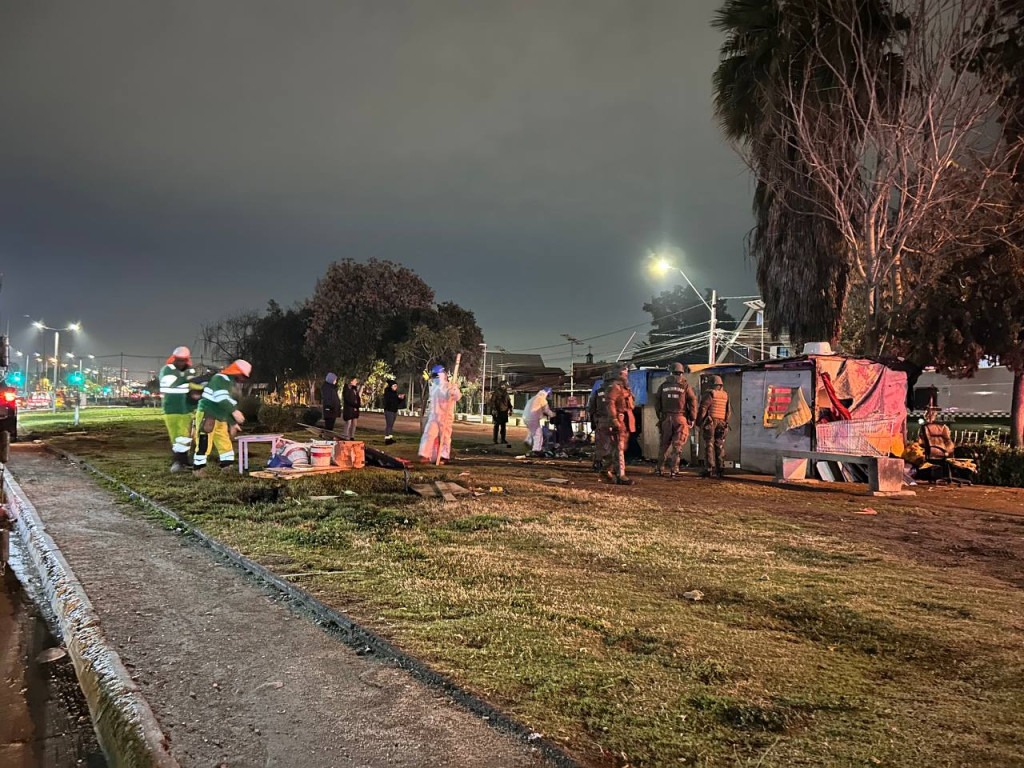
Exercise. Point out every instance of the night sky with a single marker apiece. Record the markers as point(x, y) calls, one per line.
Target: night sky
point(164, 164)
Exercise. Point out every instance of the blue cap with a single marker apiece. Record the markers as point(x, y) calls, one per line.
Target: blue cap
point(436, 370)
point(546, 390)
point(332, 378)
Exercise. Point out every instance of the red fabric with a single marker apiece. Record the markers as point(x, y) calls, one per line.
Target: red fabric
point(841, 410)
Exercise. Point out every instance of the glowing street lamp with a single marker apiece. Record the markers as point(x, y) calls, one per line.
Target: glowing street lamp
point(661, 265)
point(56, 350)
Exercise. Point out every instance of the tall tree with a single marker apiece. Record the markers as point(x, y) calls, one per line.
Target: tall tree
point(277, 350)
point(969, 305)
point(353, 306)
point(802, 268)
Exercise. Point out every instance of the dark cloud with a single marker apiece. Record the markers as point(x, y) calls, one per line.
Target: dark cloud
point(164, 163)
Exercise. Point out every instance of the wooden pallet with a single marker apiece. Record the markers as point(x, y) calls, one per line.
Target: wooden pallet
point(294, 473)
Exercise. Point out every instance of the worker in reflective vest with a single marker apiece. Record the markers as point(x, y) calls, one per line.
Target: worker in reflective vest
point(177, 406)
point(218, 419)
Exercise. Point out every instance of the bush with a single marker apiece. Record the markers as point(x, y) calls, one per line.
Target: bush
point(277, 418)
point(997, 464)
point(311, 416)
point(249, 406)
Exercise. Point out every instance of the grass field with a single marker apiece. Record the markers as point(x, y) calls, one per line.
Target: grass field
point(564, 606)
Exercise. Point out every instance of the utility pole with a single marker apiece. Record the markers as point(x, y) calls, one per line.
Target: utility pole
point(714, 323)
point(573, 341)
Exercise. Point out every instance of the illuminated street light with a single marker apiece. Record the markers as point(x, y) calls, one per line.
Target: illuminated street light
point(56, 350)
point(661, 265)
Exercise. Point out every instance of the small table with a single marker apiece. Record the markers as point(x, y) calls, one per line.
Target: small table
point(243, 448)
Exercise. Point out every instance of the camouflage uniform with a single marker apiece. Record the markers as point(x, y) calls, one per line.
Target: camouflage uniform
point(676, 407)
point(613, 427)
point(713, 417)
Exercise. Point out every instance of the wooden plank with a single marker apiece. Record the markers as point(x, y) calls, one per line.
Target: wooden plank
point(443, 490)
point(456, 489)
point(427, 491)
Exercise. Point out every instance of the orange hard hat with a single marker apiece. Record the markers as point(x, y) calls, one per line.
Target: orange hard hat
point(238, 368)
point(180, 353)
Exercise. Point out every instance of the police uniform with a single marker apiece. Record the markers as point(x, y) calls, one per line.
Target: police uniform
point(614, 425)
point(713, 417)
point(676, 407)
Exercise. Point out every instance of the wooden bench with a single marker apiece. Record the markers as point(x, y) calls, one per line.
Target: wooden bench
point(885, 476)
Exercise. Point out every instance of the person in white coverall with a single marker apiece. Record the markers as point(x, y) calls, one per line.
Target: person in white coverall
point(437, 431)
point(534, 412)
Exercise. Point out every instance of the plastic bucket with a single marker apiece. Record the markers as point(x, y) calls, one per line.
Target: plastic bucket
point(321, 453)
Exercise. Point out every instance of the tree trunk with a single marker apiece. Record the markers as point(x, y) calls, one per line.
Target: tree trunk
point(1017, 411)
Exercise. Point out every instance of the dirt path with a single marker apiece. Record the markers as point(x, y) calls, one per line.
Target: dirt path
point(234, 677)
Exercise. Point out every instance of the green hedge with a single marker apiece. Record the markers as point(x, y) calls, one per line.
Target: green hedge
point(997, 464)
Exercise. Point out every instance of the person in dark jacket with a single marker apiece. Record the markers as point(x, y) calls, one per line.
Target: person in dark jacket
point(393, 401)
point(501, 407)
point(350, 403)
point(331, 402)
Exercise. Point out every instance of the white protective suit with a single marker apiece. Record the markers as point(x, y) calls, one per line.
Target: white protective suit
point(534, 411)
point(437, 432)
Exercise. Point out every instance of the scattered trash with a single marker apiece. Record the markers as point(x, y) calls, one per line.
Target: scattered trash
point(495, 489)
point(322, 498)
point(693, 595)
point(463, 474)
point(556, 480)
point(347, 492)
point(277, 684)
point(866, 511)
point(535, 736)
point(51, 655)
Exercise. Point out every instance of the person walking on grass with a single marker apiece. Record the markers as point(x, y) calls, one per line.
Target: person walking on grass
point(351, 402)
point(330, 401)
point(713, 417)
point(178, 407)
point(393, 402)
point(501, 407)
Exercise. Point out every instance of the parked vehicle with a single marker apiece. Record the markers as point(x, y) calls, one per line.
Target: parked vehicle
point(8, 419)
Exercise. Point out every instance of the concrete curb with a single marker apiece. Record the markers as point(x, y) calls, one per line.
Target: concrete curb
point(126, 727)
point(364, 641)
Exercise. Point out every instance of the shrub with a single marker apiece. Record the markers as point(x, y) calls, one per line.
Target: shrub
point(310, 416)
point(997, 464)
point(277, 418)
point(249, 406)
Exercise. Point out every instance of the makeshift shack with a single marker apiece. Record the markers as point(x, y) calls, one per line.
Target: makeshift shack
point(828, 403)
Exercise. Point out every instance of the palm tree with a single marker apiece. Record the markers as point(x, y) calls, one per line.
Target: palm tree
point(802, 267)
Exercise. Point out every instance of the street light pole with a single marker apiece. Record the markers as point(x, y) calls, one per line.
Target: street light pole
point(483, 382)
point(662, 265)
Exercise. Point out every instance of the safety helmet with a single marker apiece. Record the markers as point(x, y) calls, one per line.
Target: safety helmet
point(238, 368)
point(678, 368)
point(715, 381)
point(436, 369)
point(180, 353)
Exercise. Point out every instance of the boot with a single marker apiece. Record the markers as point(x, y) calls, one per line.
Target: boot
point(623, 481)
point(176, 463)
point(225, 464)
